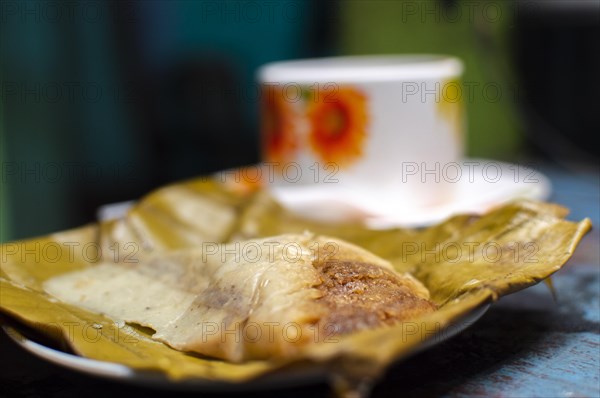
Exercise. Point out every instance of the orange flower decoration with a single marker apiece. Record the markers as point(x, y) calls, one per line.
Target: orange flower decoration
point(277, 126)
point(338, 125)
point(244, 180)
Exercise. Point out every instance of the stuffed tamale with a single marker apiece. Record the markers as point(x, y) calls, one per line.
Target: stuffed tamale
point(255, 299)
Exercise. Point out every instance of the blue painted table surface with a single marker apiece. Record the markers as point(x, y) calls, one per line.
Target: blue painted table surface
point(526, 345)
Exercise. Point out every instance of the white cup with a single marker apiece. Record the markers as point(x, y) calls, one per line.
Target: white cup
point(372, 131)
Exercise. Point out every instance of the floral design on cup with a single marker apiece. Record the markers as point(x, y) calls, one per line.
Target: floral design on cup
point(338, 121)
point(450, 107)
point(278, 126)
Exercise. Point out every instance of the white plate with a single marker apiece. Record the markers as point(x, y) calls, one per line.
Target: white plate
point(482, 185)
point(286, 378)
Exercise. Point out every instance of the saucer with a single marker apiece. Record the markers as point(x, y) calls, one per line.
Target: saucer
point(483, 184)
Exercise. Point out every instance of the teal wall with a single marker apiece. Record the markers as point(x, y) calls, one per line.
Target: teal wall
point(42, 135)
point(4, 216)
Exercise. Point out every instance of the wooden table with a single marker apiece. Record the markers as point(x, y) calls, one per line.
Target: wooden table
point(526, 345)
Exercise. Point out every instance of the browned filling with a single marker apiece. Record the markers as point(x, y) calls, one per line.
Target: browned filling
point(363, 296)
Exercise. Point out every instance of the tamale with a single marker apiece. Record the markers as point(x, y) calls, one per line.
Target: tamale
point(256, 299)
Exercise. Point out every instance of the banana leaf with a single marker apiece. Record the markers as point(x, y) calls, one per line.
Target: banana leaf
point(466, 262)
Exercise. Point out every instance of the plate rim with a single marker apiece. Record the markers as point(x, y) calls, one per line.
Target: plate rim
point(118, 372)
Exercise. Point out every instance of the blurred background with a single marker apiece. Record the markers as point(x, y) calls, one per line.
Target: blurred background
point(102, 101)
